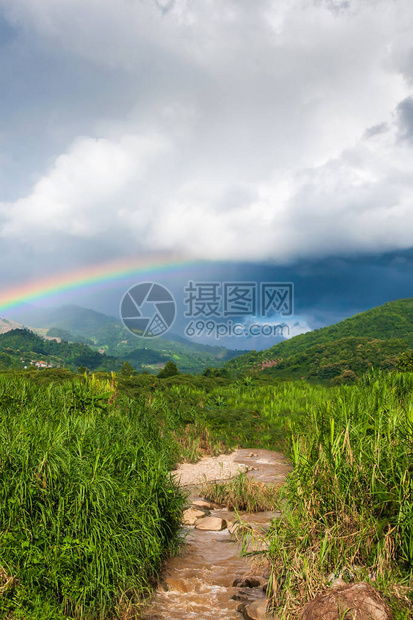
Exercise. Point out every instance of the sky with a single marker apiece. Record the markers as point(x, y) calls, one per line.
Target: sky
point(273, 139)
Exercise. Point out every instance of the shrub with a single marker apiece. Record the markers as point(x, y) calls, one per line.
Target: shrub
point(88, 509)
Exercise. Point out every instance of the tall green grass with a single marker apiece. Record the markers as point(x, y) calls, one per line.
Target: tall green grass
point(241, 493)
point(348, 506)
point(88, 508)
point(211, 418)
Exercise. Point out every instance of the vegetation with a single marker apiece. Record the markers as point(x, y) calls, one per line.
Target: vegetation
point(241, 493)
point(88, 508)
point(106, 334)
point(348, 506)
point(21, 347)
point(170, 370)
point(339, 353)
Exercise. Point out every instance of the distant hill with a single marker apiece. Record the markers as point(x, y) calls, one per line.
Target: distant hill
point(20, 348)
point(106, 334)
point(73, 319)
point(342, 351)
point(7, 325)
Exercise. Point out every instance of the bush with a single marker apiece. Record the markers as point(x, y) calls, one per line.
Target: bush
point(88, 509)
point(170, 369)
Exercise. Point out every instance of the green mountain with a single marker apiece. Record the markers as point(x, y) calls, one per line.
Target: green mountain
point(107, 335)
point(22, 348)
point(340, 352)
point(75, 320)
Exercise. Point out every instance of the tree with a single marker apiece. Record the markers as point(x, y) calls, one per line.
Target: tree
point(169, 370)
point(217, 372)
point(127, 370)
point(405, 361)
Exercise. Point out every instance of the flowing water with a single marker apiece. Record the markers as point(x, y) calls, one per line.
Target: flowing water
point(199, 582)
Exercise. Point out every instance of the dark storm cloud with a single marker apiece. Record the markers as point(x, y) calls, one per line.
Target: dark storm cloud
point(325, 290)
point(405, 119)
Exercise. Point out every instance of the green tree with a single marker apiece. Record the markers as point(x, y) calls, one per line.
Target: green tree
point(127, 370)
point(405, 362)
point(169, 370)
point(217, 372)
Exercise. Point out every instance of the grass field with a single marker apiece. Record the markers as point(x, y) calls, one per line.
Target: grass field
point(89, 510)
point(348, 506)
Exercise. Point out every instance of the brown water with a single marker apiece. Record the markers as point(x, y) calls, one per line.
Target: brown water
point(198, 583)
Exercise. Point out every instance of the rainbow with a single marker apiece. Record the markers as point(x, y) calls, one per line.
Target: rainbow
point(97, 275)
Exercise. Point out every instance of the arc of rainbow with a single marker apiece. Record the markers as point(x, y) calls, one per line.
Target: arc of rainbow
point(94, 275)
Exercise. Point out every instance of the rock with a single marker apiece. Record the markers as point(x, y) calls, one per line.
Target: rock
point(257, 611)
point(232, 527)
point(250, 582)
point(213, 524)
point(238, 581)
point(358, 601)
point(200, 503)
point(247, 597)
point(191, 515)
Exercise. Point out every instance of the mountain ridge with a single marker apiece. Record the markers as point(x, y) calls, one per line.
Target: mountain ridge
point(106, 334)
point(376, 337)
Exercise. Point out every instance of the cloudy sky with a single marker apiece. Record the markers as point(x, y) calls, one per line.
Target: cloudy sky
point(271, 133)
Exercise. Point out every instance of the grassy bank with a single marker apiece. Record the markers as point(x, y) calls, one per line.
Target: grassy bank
point(88, 509)
point(348, 506)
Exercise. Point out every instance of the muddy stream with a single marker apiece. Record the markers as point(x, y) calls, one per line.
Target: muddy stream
point(199, 582)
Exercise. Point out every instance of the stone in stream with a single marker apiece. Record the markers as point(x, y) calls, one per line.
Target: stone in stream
point(241, 607)
point(248, 596)
point(191, 515)
point(250, 581)
point(212, 524)
point(232, 527)
point(201, 503)
point(258, 611)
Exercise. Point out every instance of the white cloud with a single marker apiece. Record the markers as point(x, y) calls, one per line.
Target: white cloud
point(81, 194)
point(280, 326)
point(247, 134)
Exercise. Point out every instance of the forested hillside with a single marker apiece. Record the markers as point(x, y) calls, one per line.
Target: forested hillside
point(20, 348)
point(106, 334)
point(339, 352)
